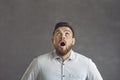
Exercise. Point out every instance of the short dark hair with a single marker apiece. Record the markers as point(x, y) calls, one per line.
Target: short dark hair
point(63, 24)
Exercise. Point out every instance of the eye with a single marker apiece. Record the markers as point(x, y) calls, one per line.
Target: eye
point(58, 34)
point(67, 33)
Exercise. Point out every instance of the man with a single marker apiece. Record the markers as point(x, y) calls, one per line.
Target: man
point(62, 63)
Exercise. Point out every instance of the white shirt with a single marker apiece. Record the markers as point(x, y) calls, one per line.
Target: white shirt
point(50, 67)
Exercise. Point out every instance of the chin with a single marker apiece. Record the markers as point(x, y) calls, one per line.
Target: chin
point(61, 52)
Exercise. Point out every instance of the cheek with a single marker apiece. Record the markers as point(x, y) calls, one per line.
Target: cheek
point(70, 41)
point(55, 40)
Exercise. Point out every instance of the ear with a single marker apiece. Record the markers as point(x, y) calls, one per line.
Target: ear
point(73, 41)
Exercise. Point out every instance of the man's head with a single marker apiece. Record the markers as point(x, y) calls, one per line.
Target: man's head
point(63, 38)
point(63, 24)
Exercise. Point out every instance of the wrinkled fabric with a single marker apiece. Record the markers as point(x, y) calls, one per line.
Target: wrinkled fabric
point(50, 67)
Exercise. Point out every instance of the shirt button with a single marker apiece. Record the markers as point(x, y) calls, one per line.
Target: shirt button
point(63, 76)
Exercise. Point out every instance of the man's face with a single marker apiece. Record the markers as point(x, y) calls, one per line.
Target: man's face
point(63, 40)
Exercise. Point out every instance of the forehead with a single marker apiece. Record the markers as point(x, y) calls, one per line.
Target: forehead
point(63, 28)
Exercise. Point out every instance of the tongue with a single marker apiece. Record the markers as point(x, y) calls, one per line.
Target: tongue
point(62, 44)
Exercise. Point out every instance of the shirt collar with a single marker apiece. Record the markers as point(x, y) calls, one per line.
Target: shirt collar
point(72, 55)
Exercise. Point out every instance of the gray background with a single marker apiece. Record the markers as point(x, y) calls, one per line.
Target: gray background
point(26, 29)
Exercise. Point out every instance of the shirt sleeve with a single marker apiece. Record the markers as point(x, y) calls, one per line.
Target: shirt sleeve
point(32, 71)
point(93, 73)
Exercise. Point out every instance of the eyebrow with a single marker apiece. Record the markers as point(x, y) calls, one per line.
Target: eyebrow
point(68, 30)
point(57, 30)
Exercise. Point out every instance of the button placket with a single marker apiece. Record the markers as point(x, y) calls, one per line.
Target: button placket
point(62, 70)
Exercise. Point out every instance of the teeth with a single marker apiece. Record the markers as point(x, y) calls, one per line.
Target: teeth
point(62, 44)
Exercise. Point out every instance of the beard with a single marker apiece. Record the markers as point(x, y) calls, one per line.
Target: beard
point(62, 52)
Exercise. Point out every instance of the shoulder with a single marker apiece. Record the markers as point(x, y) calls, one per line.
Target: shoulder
point(85, 60)
point(44, 57)
point(82, 58)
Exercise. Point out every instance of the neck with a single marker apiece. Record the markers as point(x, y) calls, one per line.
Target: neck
point(65, 57)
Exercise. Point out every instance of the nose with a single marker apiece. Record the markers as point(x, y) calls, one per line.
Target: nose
point(63, 36)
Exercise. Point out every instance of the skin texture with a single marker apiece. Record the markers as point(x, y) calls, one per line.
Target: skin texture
point(63, 41)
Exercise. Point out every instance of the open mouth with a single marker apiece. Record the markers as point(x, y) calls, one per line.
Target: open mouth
point(62, 43)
